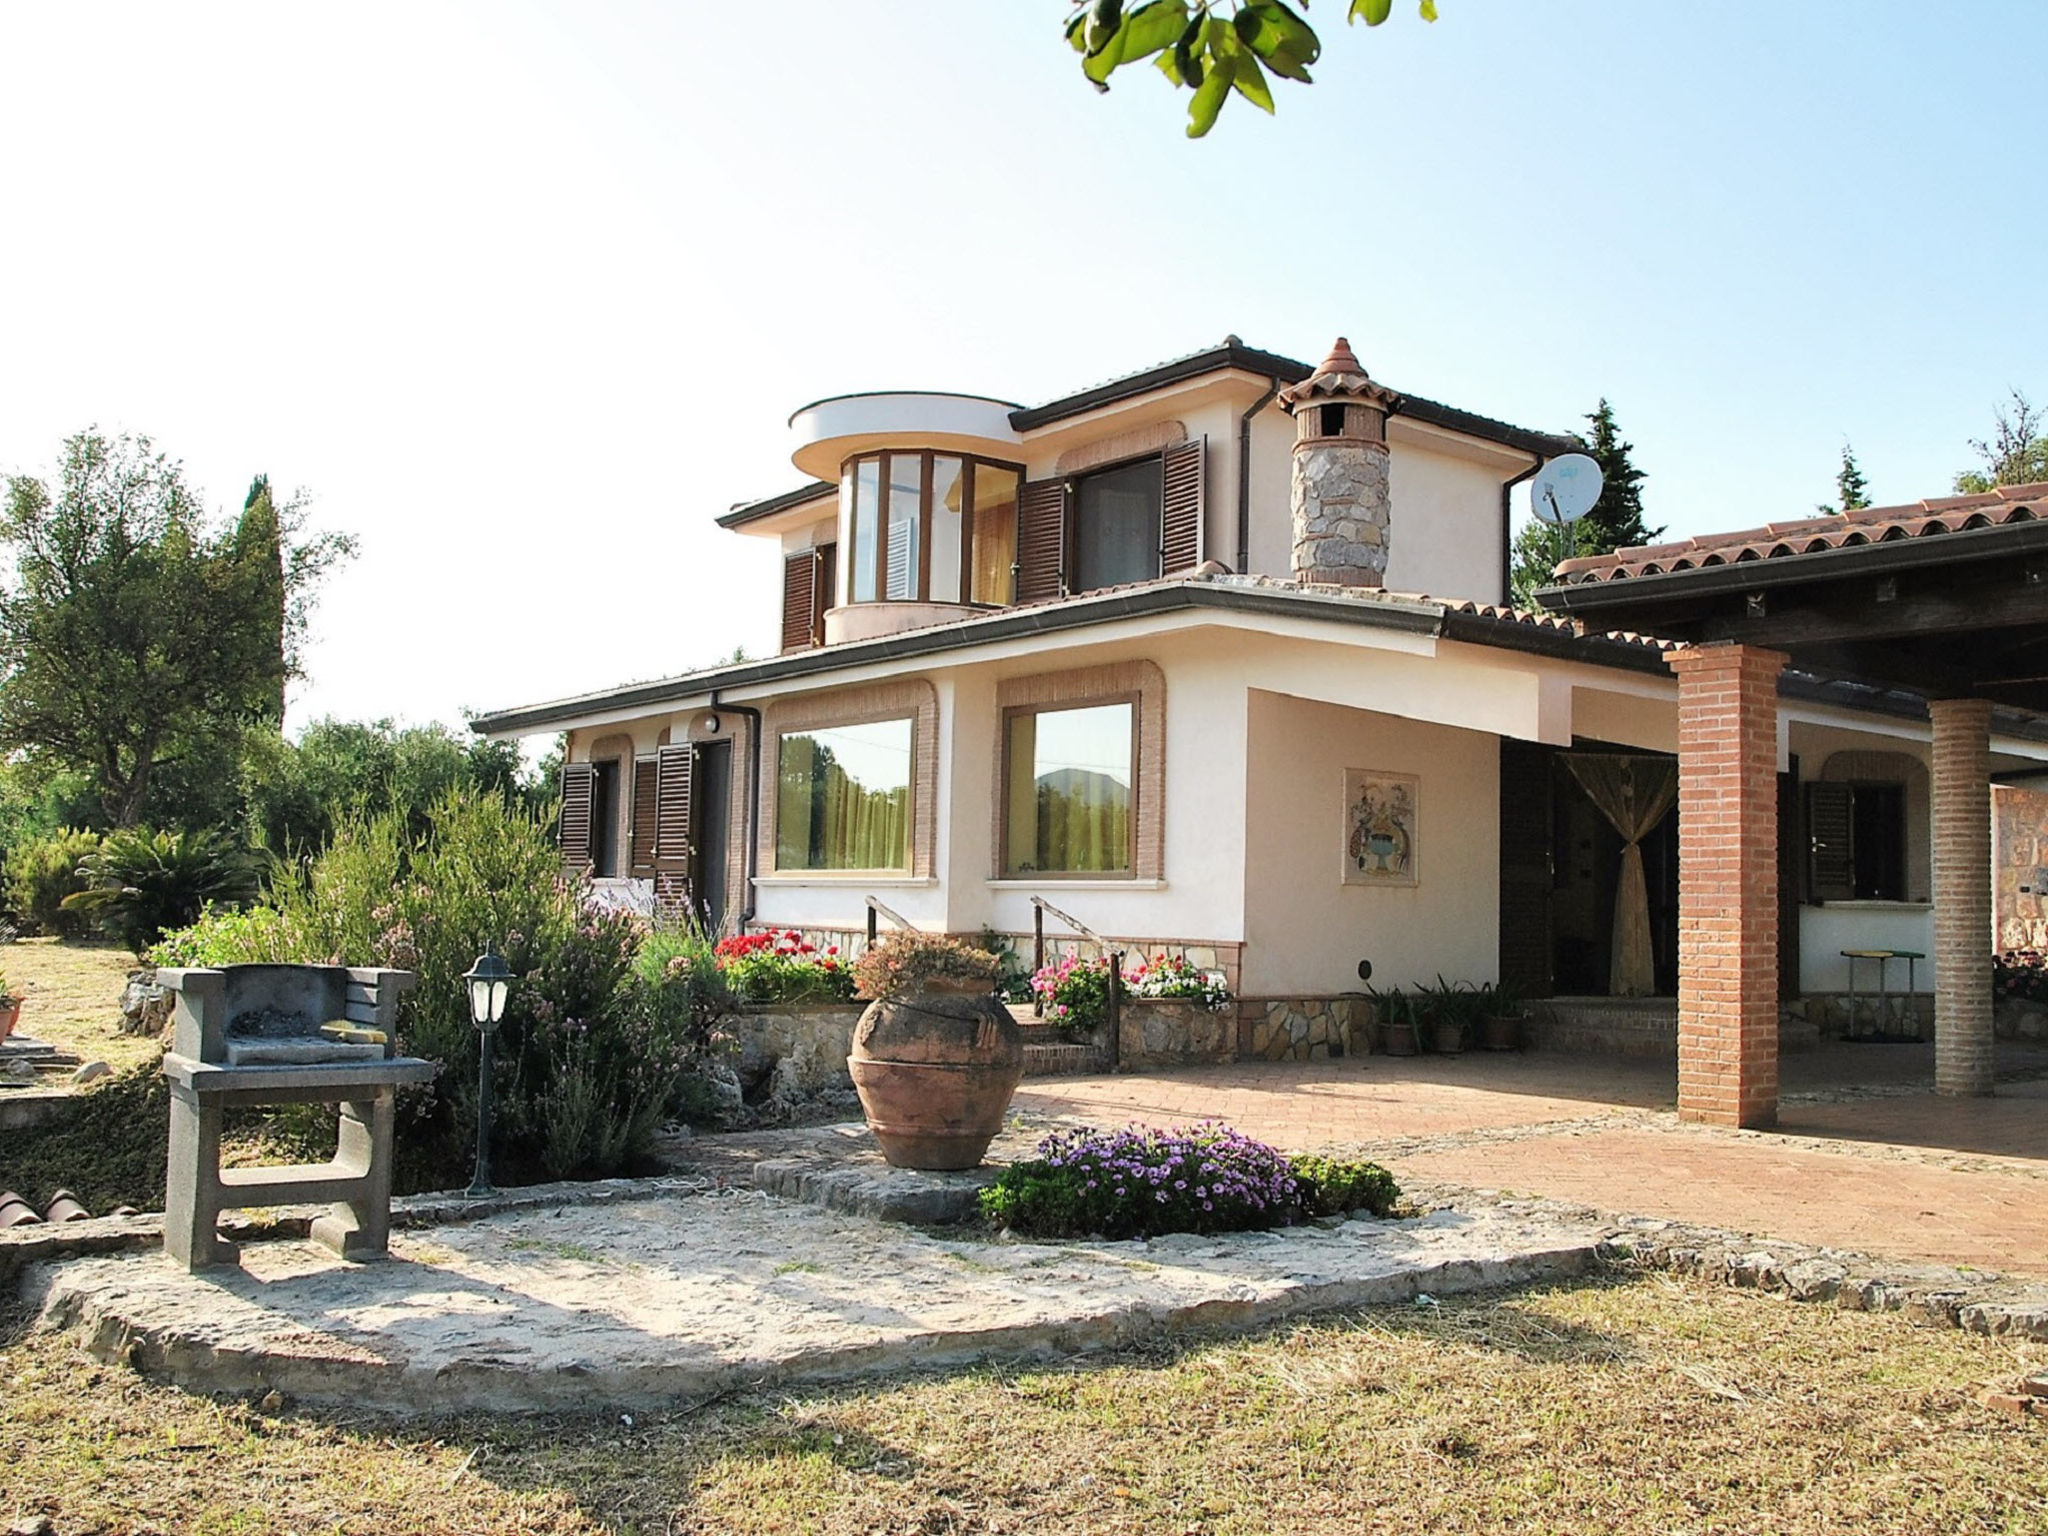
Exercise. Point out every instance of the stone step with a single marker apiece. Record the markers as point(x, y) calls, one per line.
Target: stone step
point(1061, 1059)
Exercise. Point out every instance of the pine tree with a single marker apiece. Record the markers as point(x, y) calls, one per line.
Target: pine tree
point(1849, 485)
point(1615, 522)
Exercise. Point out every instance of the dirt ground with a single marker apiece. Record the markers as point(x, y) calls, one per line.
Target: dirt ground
point(71, 998)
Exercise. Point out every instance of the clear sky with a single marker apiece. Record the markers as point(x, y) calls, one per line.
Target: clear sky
point(524, 294)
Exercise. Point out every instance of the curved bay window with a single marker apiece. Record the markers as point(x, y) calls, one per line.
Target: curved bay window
point(917, 526)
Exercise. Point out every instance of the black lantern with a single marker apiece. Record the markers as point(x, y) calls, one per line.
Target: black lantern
point(490, 979)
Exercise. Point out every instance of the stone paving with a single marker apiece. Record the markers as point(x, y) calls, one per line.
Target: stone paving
point(683, 1294)
point(1864, 1157)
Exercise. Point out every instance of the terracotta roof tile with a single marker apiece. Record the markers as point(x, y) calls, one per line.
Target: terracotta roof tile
point(1810, 535)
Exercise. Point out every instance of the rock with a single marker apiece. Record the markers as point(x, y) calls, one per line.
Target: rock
point(32, 1525)
point(145, 1007)
point(91, 1072)
point(2036, 1386)
point(1814, 1279)
point(17, 1070)
point(273, 1401)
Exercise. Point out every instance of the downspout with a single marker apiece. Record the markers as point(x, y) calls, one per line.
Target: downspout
point(753, 816)
point(1244, 477)
point(1507, 543)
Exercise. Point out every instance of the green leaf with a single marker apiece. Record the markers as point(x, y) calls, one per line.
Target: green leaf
point(1212, 92)
point(1250, 81)
point(1286, 43)
point(1373, 12)
point(1075, 33)
point(1152, 27)
point(1429, 10)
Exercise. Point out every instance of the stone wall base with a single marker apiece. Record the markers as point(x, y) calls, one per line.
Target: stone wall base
point(1316, 1028)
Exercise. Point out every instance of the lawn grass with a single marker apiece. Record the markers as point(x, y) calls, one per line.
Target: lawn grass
point(71, 998)
point(1642, 1404)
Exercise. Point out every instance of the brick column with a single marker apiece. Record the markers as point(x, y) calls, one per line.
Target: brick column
point(1727, 883)
point(1962, 895)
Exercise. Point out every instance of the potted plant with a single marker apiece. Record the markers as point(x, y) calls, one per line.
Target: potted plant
point(10, 1007)
point(1395, 1012)
point(936, 1056)
point(1449, 1008)
point(1500, 1017)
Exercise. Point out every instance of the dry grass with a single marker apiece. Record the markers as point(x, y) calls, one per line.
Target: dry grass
point(72, 998)
point(1643, 1405)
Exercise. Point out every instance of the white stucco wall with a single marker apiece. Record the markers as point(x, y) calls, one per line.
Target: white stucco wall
point(1444, 531)
point(1305, 930)
point(1824, 932)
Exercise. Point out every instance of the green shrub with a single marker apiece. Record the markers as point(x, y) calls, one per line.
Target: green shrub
point(1335, 1186)
point(590, 1052)
point(41, 872)
point(140, 884)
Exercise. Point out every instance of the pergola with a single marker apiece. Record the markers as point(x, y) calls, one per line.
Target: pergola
point(1947, 599)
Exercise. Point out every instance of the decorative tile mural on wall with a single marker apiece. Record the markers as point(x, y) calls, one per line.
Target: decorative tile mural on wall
point(1382, 822)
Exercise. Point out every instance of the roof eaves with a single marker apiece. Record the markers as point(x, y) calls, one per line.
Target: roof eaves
point(1498, 628)
point(1159, 376)
point(753, 511)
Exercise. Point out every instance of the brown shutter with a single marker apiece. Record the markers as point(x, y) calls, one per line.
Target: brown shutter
point(1041, 541)
point(672, 803)
point(824, 589)
point(1180, 511)
point(799, 599)
point(1830, 842)
point(644, 811)
point(572, 831)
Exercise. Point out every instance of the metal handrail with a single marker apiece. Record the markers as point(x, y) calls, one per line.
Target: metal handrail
point(1039, 907)
point(877, 906)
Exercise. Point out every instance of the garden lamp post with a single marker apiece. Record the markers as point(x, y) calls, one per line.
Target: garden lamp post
point(489, 981)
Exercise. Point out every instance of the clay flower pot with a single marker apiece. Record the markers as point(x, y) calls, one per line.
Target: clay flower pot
point(10, 1011)
point(1397, 1039)
point(935, 1068)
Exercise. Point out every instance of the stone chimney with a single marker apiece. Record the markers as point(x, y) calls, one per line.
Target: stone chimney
point(1340, 473)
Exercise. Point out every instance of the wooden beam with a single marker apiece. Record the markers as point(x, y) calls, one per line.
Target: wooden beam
point(1787, 622)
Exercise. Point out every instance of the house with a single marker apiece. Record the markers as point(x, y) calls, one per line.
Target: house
point(1214, 657)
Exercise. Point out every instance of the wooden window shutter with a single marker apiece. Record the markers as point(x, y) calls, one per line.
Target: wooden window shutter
point(1180, 510)
point(1041, 540)
point(672, 802)
point(572, 831)
point(824, 588)
point(799, 600)
point(645, 807)
point(1830, 842)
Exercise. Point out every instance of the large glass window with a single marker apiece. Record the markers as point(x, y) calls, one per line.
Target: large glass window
point(1116, 525)
point(921, 526)
point(1069, 776)
point(995, 534)
point(842, 798)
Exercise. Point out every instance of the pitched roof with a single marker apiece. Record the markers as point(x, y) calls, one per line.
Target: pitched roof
point(1778, 541)
point(1233, 353)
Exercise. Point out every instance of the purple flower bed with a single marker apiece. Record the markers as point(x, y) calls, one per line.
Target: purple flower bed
point(1141, 1183)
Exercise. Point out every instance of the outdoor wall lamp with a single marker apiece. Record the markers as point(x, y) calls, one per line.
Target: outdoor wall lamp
point(490, 979)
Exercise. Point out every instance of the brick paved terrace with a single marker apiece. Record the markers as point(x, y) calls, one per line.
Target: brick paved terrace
point(1864, 1156)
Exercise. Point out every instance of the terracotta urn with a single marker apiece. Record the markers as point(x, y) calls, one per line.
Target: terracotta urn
point(10, 1012)
point(935, 1068)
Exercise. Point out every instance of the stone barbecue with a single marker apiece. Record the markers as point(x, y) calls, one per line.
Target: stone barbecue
point(283, 1034)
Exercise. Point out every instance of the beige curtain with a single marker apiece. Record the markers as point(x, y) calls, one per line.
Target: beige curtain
point(1633, 793)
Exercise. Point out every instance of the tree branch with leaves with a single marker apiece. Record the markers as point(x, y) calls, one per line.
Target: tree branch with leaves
point(1214, 48)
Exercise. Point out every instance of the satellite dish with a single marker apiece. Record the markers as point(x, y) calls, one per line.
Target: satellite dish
point(1565, 489)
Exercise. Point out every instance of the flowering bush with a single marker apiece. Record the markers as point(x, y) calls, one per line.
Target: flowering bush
point(782, 966)
point(1178, 977)
point(903, 961)
point(1140, 1183)
point(1074, 994)
point(2020, 973)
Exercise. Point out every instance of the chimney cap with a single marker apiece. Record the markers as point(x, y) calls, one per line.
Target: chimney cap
point(1341, 376)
